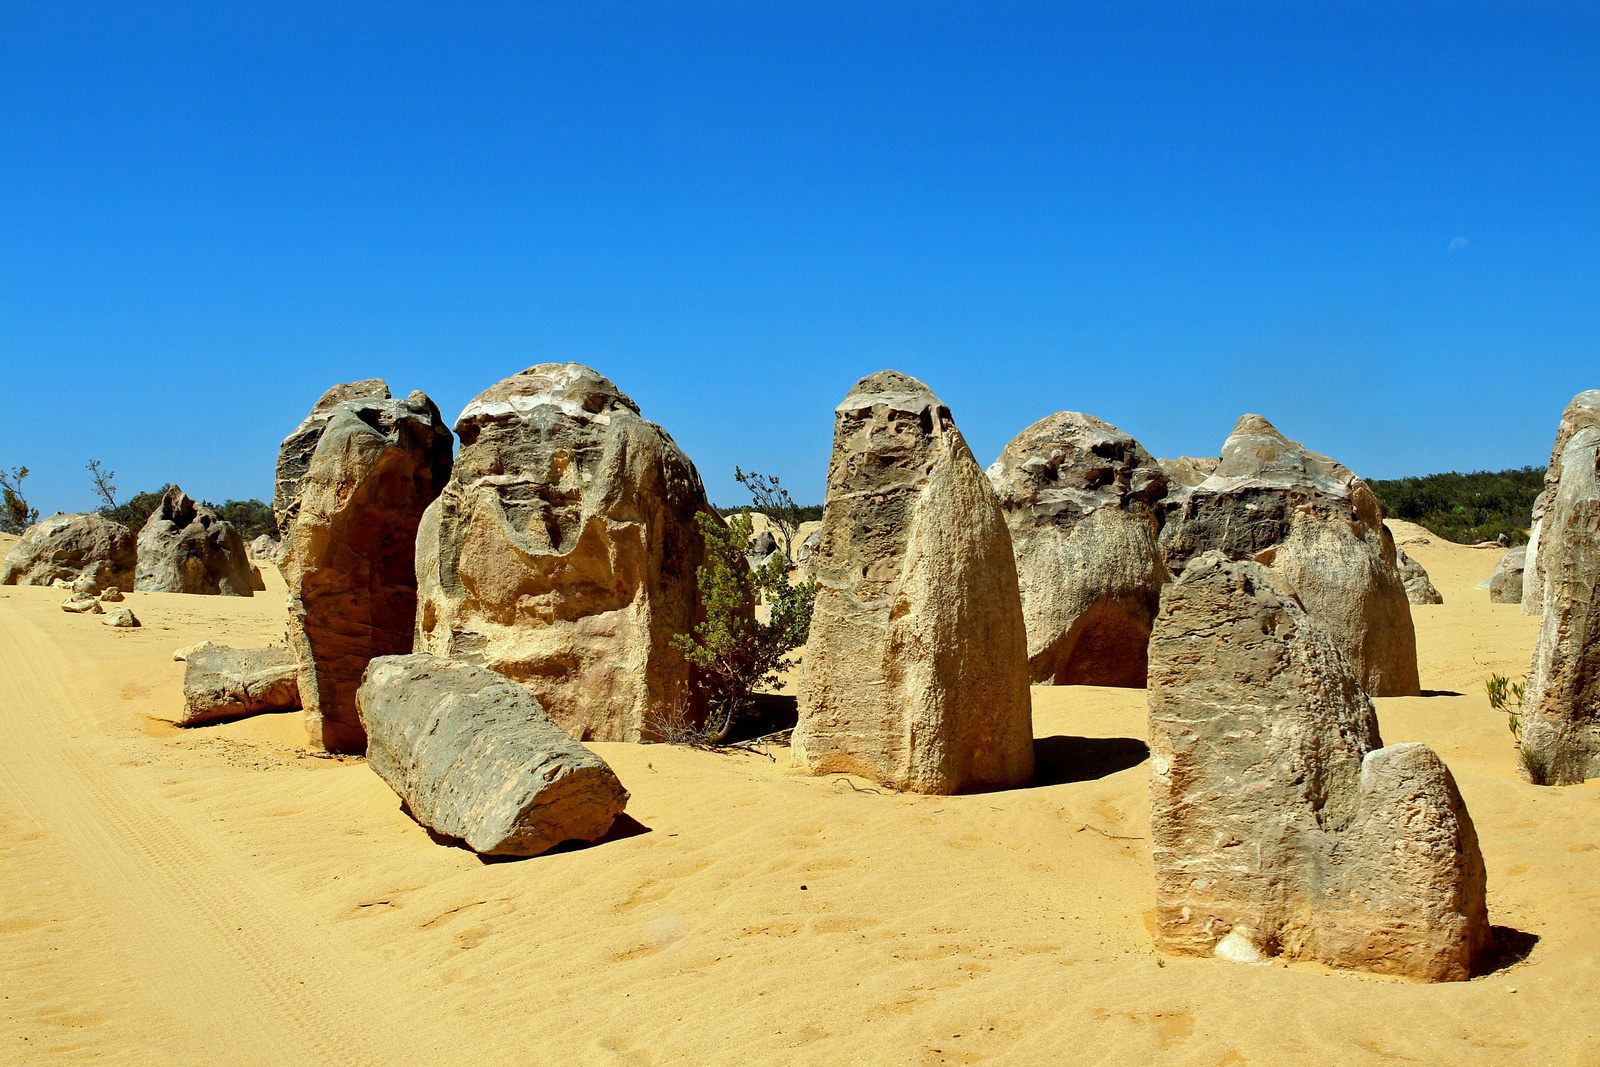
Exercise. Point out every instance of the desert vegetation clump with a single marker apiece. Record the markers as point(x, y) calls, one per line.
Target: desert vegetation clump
point(1466, 508)
point(1507, 696)
point(736, 652)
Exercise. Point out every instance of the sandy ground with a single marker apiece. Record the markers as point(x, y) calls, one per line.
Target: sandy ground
point(215, 896)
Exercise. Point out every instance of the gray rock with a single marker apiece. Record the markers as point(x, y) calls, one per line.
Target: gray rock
point(1505, 585)
point(762, 548)
point(1189, 471)
point(123, 618)
point(1280, 825)
point(563, 552)
point(1560, 727)
point(916, 670)
point(1582, 412)
point(185, 548)
point(65, 547)
point(474, 757)
point(1275, 501)
point(1083, 502)
point(83, 604)
point(111, 595)
point(227, 683)
point(350, 562)
point(1419, 587)
point(294, 454)
point(264, 547)
point(806, 554)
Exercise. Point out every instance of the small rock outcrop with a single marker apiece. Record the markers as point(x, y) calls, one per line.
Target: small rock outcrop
point(1583, 412)
point(763, 546)
point(67, 547)
point(1321, 528)
point(1083, 502)
point(916, 670)
point(1419, 587)
point(1561, 710)
point(122, 618)
point(82, 604)
point(264, 547)
point(111, 595)
point(350, 563)
point(185, 548)
point(294, 454)
point(1505, 585)
point(563, 551)
point(1281, 826)
point(474, 757)
point(228, 683)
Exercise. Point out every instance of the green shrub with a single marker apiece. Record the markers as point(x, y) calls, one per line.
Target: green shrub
point(1466, 508)
point(15, 514)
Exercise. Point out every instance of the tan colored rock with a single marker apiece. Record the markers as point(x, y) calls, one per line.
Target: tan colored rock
point(1189, 471)
point(65, 548)
point(82, 604)
point(1560, 724)
point(122, 618)
point(264, 547)
point(1505, 585)
point(185, 548)
point(1419, 587)
point(1583, 412)
point(294, 454)
point(1281, 827)
point(350, 566)
point(229, 683)
point(111, 595)
point(182, 654)
point(474, 757)
point(916, 670)
point(1083, 502)
point(563, 551)
point(1312, 520)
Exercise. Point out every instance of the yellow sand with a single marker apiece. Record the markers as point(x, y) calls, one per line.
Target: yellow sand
point(213, 896)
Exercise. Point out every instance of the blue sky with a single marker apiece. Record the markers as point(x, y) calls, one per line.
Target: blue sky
point(1165, 215)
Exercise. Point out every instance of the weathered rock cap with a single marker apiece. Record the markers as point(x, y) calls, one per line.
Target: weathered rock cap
point(294, 454)
point(66, 547)
point(186, 547)
point(570, 389)
point(228, 683)
point(474, 757)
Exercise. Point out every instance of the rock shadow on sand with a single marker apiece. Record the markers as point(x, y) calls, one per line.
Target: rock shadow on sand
point(1061, 759)
point(622, 827)
point(1508, 948)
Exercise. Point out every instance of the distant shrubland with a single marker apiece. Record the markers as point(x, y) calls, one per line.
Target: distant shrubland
point(805, 512)
point(1466, 508)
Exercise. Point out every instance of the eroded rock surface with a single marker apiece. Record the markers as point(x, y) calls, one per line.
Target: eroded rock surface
point(1583, 412)
point(68, 547)
point(1505, 585)
point(264, 547)
point(1279, 821)
point(1083, 503)
point(294, 454)
point(1312, 520)
point(350, 563)
point(1561, 713)
point(563, 551)
point(474, 757)
point(1189, 471)
point(185, 548)
point(916, 671)
point(227, 683)
point(1419, 587)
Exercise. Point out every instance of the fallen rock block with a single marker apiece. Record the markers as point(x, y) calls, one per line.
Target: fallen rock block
point(181, 654)
point(1419, 587)
point(475, 757)
point(83, 604)
point(227, 683)
point(1505, 585)
point(112, 595)
point(123, 618)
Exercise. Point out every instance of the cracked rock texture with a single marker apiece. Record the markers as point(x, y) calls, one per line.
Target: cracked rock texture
point(1309, 518)
point(1083, 502)
point(916, 670)
point(294, 454)
point(1561, 711)
point(1505, 585)
point(1279, 821)
point(72, 547)
point(185, 548)
point(350, 559)
point(1583, 412)
point(474, 757)
point(563, 552)
point(228, 683)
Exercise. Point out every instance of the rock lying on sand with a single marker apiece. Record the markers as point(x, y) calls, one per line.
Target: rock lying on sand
point(258, 583)
point(227, 683)
point(1321, 528)
point(1583, 412)
point(185, 548)
point(474, 757)
point(1279, 822)
point(1083, 503)
point(916, 670)
point(264, 547)
point(563, 551)
point(1505, 585)
point(67, 547)
point(111, 595)
point(294, 454)
point(1561, 711)
point(1419, 587)
point(83, 604)
point(123, 618)
point(350, 563)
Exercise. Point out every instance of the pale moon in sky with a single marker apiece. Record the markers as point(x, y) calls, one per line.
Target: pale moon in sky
point(1458, 244)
